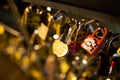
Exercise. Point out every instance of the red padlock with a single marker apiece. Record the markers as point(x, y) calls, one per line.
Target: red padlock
point(94, 42)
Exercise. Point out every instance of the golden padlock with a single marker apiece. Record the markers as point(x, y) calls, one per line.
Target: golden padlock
point(118, 51)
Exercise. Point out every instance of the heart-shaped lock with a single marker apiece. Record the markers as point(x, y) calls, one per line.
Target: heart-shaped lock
point(94, 42)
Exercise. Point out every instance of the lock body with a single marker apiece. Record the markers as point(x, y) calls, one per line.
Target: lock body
point(72, 47)
point(118, 51)
point(94, 42)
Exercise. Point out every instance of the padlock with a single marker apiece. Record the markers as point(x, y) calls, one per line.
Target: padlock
point(118, 51)
point(72, 47)
point(94, 42)
point(59, 47)
point(79, 35)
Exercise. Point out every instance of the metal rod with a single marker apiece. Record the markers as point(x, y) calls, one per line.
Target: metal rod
point(17, 17)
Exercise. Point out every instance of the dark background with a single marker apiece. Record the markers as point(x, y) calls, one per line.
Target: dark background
point(105, 6)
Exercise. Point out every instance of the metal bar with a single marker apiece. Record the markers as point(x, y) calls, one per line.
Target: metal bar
point(11, 30)
point(17, 17)
point(79, 12)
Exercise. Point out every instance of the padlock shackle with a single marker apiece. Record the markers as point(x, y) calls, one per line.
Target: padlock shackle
point(90, 21)
point(74, 28)
point(65, 31)
point(104, 32)
point(80, 25)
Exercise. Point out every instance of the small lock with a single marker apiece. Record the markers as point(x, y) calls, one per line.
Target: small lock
point(118, 51)
point(94, 42)
point(59, 47)
point(72, 47)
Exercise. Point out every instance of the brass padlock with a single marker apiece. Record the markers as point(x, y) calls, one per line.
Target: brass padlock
point(118, 51)
point(59, 47)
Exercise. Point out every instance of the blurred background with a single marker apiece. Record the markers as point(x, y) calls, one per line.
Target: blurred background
point(28, 29)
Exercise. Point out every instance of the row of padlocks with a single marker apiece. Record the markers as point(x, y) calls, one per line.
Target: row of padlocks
point(64, 48)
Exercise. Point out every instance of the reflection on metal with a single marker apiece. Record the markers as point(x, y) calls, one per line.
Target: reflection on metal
point(79, 12)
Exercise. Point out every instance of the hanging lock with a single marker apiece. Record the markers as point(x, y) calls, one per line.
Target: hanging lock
point(118, 51)
point(59, 47)
point(73, 44)
point(94, 42)
point(81, 33)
